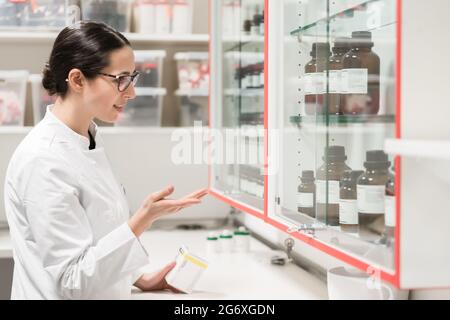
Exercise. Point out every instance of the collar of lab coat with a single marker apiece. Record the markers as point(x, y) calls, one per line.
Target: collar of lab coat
point(81, 140)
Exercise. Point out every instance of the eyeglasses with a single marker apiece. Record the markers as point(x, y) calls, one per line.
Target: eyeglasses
point(123, 81)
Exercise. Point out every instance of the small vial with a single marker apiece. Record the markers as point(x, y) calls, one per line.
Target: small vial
point(212, 244)
point(242, 240)
point(226, 241)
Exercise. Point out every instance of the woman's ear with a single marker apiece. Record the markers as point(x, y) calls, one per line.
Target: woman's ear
point(75, 80)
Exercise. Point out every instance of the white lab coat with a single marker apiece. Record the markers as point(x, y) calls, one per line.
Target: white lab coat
point(67, 216)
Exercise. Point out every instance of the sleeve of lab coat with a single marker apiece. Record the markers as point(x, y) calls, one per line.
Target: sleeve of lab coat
point(79, 267)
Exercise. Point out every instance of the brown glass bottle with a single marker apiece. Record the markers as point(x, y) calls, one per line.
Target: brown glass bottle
point(348, 208)
point(328, 178)
point(306, 196)
point(341, 47)
point(371, 193)
point(389, 207)
point(314, 84)
point(361, 77)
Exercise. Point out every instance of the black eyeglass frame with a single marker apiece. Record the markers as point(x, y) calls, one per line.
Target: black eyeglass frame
point(134, 77)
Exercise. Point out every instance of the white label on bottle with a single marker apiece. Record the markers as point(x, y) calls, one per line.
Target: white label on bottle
point(348, 211)
point(319, 80)
point(261, 79)
point(309, 83)
point(354, 81)
point(305, 200)
point(334, 81)
point(333, 191)
point(370, 199)
point(389, 211)
point(255, 80)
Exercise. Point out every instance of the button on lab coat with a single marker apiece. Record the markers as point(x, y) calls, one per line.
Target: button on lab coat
point(68, 216)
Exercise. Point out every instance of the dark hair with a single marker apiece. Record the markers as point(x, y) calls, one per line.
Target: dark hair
point(86, 46)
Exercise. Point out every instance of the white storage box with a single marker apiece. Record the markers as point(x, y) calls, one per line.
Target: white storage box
point(35, 14)
point(144, 110)
point(13, 88)
point(150, 65)
point(187, 271)
point(194, 107)
point(115, 13)
point(193, 70)
point(163, 16)
point(41, 99)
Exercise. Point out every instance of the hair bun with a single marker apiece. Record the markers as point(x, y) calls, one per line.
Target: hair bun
point(48, 80)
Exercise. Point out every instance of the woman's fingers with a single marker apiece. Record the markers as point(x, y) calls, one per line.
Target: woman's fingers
point(197, 194)
point(156, 196)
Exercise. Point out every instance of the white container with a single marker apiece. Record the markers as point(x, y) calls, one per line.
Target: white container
point(212, 244)
point(42, 14)
point(352, 284)
point(40, 98)
point(226, 241)
point(150, 65)
point(144, 16)
point(194, 107)
point(242, 240)
point(187, 271)
point(143, 111)
point(162, 16)
point(115, 13)
point(182, 16)
point(13, 87)
point(193, 70)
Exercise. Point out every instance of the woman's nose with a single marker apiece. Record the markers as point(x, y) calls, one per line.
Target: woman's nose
point(130, 93)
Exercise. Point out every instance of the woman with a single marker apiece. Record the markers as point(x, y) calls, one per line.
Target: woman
point(68, 216)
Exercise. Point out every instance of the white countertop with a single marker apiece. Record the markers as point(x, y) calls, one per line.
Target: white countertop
point(232, 276)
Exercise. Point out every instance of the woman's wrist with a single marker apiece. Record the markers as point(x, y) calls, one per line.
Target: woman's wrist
point(140, 222)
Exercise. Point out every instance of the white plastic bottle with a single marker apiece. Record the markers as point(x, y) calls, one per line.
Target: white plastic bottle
point(182, 17)
point(162, 16)
point(227, 242)
point(145, 16)
point(242, 240)
point(212, 244)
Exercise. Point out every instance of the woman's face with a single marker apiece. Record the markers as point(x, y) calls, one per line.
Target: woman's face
point(102, 96)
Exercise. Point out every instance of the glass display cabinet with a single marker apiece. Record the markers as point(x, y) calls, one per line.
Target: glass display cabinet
point(237, 61)
point(338, 108)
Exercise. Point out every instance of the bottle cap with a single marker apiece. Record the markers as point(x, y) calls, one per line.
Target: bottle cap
point(308, 175)
point(226, 234)
point(334, 153)
point(320, 49)
point(212, 236)
point(342, 43)
point(241, 231)
point(361, 39)
point(377, 159)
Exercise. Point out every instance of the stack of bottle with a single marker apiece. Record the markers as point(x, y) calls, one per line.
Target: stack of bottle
point(228, 242)
point(353, 71)
point(360, 202)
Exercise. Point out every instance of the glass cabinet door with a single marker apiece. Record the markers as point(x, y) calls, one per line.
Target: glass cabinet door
point(237, 100)
point(334, 107)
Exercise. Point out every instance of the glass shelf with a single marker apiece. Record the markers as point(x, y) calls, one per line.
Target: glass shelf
point(369, 15)
point(343, 119)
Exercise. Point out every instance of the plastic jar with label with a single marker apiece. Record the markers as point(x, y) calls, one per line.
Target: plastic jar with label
point(341, 47)
point(371, 188)
point(306, 196)
point(314, 78)
point(360, 77)
point(348, 207)
point(328, 178)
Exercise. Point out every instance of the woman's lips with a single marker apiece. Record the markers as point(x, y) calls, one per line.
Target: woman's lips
point(119, 108)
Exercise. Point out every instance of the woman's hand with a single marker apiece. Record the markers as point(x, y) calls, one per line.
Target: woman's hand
point(157, 205)
point(156, 281)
